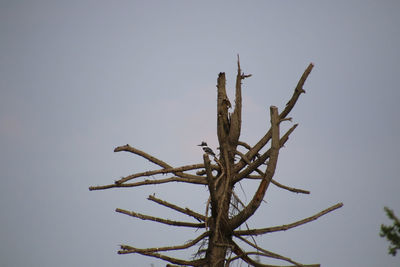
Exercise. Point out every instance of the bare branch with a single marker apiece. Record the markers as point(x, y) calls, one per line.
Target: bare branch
point(138, 152)
point(268, 253)
point(200, 262)
point(237, 208)
point(223, 104)
point(186, 211)
point(267, 265)
point(269, 173)
point(247, 253)
point(181, 177)
point(236, 118)
point(221, 174)
point(211, 184)
point(287, 226)
point(258, 162)
point(128, 249)
point(244, 144)
point(238, 200)
point(206, 213)
point(200, 180)
point(244, 256)
point(155, 160)
point(287, 119)
point(160, 220)
point(292, 189)
point(213, 167)
point(297, 92)
point(289, 106)
point(245, 159)
point(160, 171)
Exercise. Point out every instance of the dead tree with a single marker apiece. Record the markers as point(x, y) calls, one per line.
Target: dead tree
point(220, 174)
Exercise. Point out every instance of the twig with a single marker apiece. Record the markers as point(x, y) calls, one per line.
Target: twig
point(243, 205)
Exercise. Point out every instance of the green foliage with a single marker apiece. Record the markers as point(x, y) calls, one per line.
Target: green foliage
point(392, 232)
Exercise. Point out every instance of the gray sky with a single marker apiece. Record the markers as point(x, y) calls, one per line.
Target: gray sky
point(78, 78)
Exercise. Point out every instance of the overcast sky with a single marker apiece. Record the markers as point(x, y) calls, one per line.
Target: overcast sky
point(78, 78)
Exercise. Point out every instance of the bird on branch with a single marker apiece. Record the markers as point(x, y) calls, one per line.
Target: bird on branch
point(207, 149)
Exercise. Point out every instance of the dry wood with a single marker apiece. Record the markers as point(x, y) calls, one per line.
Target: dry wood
point(186, 211)
point(260, 160)
point(160, 220)
point(125, 249)
point(161, 171)
point(292, 189)
point(249, 210)
point(285, 227)
point(226, 213)
point(201, 181)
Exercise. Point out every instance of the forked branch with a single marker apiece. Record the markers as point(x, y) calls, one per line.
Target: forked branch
point(236, 117)
point(261, 159)
point(292, 189)
point(153, 159)
point(269, 173)
point(289, 106)
point(160, 171)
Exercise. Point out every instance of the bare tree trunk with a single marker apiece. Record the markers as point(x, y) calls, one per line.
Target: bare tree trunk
point(221, 228)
